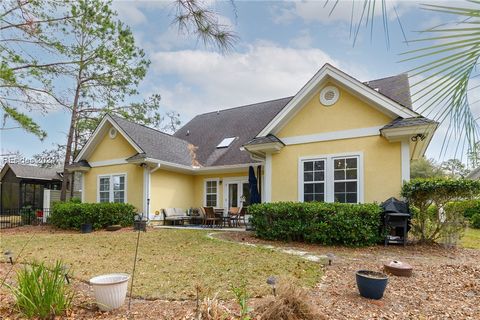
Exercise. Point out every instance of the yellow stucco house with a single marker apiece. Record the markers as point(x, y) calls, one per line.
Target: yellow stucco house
point(337, 139)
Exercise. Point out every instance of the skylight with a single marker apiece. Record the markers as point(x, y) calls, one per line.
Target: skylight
point(225, 143)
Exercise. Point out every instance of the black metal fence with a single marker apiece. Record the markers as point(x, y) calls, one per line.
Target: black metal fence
point(11, 218)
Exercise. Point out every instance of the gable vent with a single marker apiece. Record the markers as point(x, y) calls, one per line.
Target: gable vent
point(329, 95)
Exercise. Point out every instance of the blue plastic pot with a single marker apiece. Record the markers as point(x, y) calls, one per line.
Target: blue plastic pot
point(86, 228)
point(371, 284)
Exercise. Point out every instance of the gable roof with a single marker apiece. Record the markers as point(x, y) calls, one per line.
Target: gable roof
point(195, 144)
point(32, 172)
point(156, 144)
point(329, 73)
point(207, 130)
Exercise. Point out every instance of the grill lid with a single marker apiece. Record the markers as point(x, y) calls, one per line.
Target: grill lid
point(393, 205)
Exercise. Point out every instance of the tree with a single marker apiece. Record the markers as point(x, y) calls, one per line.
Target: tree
point(473, 155)
point(454, 168)
point(89, 62)
point(425, 168)
point(27, 56)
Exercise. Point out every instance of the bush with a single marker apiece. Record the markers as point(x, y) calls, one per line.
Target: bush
point(318, 222)
point(42, 292)
point(71, 215)
point(434, 215)
point(468, 207)
point(475, 221)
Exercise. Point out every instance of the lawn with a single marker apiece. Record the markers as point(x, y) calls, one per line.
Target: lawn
point(171, 263)
point(471, 239)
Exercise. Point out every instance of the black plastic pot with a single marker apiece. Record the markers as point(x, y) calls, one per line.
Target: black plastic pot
point(371, 284)
point(86, 228)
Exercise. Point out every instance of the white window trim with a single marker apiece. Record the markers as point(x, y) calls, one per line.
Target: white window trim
point(205, 190)
point(329, 180)
point(230, 180)
point(111, 186)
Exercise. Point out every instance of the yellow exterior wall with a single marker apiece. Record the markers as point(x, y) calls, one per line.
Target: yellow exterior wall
point(347, 113)
point(109, 148)
point(381, 159)
point(134, 182)
point(171, 190)
point(199, 186)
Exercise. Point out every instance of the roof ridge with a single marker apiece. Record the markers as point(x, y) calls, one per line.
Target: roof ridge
point(147, 127)
point(379, 79)
point(243, 106)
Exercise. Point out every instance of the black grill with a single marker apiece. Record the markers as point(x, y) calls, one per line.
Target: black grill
point(396, 221)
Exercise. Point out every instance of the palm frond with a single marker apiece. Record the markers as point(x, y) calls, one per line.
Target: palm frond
point(449, 58)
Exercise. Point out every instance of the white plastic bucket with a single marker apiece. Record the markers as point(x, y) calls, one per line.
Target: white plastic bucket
point(110, 290)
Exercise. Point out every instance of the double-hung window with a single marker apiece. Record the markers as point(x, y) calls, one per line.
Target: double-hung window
point(112, 188)
point(314, 180)
point(211, 193)
point(330, 179)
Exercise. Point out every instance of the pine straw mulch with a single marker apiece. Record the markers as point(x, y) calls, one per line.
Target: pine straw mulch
point(445, 282)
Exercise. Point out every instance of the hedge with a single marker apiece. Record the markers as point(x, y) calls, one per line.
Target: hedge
point(318, 222)
point(71, 215)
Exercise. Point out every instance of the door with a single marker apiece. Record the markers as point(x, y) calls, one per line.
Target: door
point(236, 194)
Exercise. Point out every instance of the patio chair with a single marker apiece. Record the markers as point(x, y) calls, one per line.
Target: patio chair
point(210, 217)
point(233, 215)
point(241, 216)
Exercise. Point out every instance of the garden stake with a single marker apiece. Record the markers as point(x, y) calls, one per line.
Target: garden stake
point(133, 271)
point(18, 257)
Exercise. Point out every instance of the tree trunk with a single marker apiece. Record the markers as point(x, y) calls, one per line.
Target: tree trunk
point(68, 149)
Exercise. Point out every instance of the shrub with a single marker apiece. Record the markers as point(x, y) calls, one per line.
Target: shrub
point(318, 222)
point(433, 217)
point(467, 207)
point(42, 292)
point(71, 215)
point(475, 221)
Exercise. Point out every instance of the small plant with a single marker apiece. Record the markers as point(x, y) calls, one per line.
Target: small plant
point(42, 292)
point(290, 303)
point(242, 296)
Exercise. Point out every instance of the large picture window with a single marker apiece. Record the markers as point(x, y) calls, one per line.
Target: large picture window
point(112, 188)
point(330, 179)
point(211, 194)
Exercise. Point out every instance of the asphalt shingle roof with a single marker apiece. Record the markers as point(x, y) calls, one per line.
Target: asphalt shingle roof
point(207, 130)
point(261, 140)
point(34, 172)
point(156, 144)
point(396, 88)
point(408, 122)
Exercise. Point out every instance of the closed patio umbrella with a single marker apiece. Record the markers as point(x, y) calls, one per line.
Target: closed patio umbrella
point(252, 181)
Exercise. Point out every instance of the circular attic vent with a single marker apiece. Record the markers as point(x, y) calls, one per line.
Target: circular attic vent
point(329, 95)
point(112, 133)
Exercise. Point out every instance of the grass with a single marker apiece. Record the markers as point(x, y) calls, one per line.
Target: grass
point(471, 239)
point(171, 263)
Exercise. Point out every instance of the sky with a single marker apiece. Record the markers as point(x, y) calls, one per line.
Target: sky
point(280, 46)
